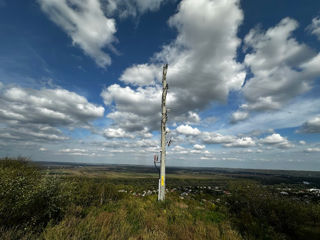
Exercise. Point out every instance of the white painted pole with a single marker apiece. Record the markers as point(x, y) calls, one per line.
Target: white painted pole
point(162, 180)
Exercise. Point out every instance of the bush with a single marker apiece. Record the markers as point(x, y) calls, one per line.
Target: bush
point(28, 199)
point(88, 192)
point(260, 214)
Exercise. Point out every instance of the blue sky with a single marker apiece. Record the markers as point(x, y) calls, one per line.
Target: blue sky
point(81, 81)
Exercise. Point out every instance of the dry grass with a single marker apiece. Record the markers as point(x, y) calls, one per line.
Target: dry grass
point(140, 218)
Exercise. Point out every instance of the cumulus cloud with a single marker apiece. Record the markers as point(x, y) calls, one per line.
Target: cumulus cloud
point(273, 139)
point(282, 68)
point(199, 147)
point(139, 109)
point(276, 140)
point(202, 66)
point(86, 24)
point(311, 126)
point(116, 133)
point(47, 106)
point(314, 27)
point(206, 44)
point(239, 116)
point(136, 109)
point(227, 140)
point(141, 75)
point(37, 114)
point(241, 142)
point(188, 130)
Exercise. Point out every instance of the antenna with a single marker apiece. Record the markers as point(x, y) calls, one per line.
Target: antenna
point(164, 118)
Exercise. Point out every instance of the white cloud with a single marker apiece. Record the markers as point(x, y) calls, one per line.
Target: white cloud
point(139, 109)
point(216, 138)
point(131, 8)
point(148, 5)
point(188, 130)
point(282, 68)
point(86, 24)
point(57, 107)
point(116, 133)
point(314, 27)
point(126, 144)
point(202, 66)
point(77, 152)
point(199, 147)
point(311, 126)
point(206, 44)
point(311, 150)
point(30, 114)
point(141, 101)
point(68, 150)
point(241, 142)
point(195, 151)
point(141, 75)
point(276, 140)
point(30, 133)
point(302, 142)
point(292, 115)
point(227, 140)
point(239, 116)
point(136, 109)
point(178, 148)
point(273, 139)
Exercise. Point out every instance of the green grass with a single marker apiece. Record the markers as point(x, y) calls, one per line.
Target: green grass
point(144, 218)
point(36, 204)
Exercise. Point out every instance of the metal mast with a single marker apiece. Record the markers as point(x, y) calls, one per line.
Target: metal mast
point(162, 180)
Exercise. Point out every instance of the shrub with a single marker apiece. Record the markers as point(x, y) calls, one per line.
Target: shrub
point(28, 198)
point(260, 214)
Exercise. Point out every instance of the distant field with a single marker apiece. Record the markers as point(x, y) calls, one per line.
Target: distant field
point(217, 174)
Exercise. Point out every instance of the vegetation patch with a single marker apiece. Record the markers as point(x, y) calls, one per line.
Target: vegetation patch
point(35, 204)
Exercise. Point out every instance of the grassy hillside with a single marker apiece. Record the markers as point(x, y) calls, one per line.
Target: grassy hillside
point(40, 204)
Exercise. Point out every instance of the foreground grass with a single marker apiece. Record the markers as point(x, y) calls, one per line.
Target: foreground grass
point(38, 206)
point(142, 218)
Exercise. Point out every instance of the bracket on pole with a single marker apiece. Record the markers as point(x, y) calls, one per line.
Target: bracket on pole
point(155, 161)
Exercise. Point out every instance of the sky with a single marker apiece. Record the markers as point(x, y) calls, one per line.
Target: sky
point(80, 81)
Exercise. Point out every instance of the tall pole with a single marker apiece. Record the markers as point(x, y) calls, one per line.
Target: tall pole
point(162, 180)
